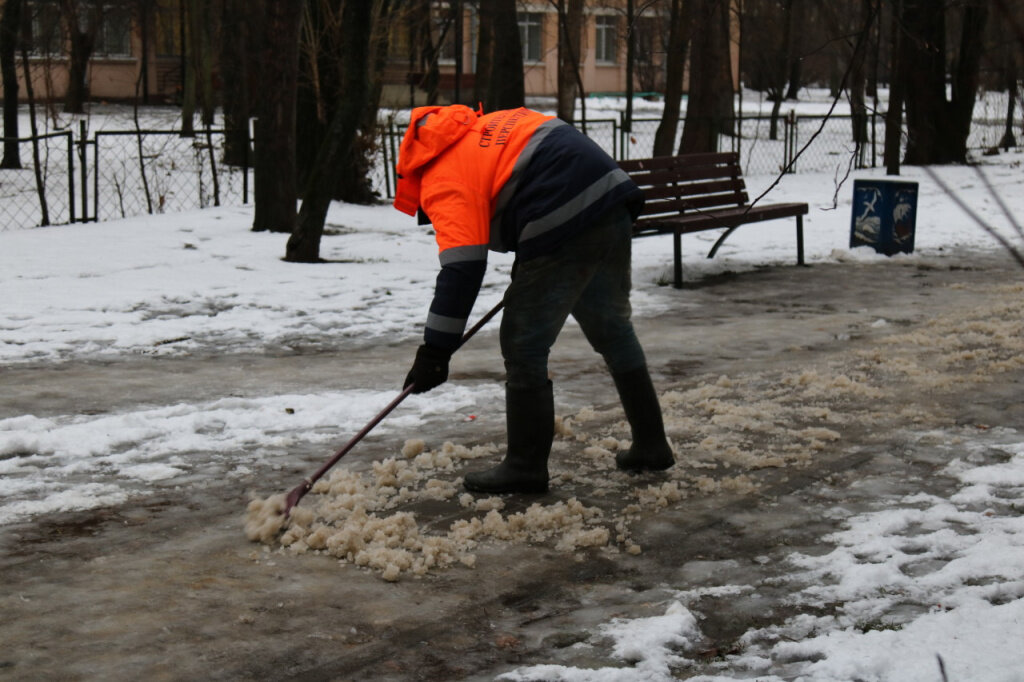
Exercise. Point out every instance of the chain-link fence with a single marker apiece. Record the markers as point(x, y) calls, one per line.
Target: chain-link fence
point(38, 191)
point(152, 171)
point(118, 174)
point(801, 144)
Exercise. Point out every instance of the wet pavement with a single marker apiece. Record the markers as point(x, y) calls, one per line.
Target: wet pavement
point(168, 587)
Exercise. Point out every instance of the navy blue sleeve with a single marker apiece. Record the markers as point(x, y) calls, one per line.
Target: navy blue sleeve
point(455, 292)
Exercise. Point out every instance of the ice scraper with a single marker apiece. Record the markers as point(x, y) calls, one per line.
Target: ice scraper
point(307, 484)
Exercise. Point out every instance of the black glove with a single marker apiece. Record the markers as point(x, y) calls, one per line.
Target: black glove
point(429, 370)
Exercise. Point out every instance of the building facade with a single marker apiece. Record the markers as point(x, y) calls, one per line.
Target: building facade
point(602, 51)
point(137, 50)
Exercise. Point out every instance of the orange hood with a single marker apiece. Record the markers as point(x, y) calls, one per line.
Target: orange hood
point(425, 140)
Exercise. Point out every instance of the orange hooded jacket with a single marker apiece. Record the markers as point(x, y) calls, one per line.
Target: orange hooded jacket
point(453, 163)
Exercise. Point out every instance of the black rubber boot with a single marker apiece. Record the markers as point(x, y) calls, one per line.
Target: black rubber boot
point(530, 420)
point(650, 450)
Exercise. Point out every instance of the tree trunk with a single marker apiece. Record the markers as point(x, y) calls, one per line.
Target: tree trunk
point(81, 23)
point(797, 14)
point(929, 128)
point(10, 24)
point(780, 69)
point(773, 122)
point(484, 51)
point(627, 123)
point(356, 26)
point(937, 127)
point(709, 110)
point(188, 72)
point(275, 190)
point(966, 74)
point(459, 40)
point(429, 51)
point(665, 137)
point(1012, 92)
point(201, 14)
point(570, 24)
point(321, 62)
point(37, 164)
point(897, 79)
point(355, 185)
point(857, 87)
point(319, 83)
point(505, 88)
point(197, 85)
point(875, 48)
point(234, 56)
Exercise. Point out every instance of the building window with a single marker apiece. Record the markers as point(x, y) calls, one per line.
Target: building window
point(113, 37)
point(47, 31)
point(530, 35)
point(167, 29)
point(606, 47)
point(109, 25)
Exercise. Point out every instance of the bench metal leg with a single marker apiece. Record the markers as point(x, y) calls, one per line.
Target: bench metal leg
point(800, 240)
point(677, 248)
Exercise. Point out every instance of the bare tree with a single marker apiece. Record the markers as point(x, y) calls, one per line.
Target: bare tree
point(355, 184)
point(37, 166)
point(426, 43)
point(893, 148)
point(1009, 54)
point(857, 87)
point(505, 88)
point(797, 24)
point(197, 85)
point(81, 22)
point(570, 37)
point(356, 29)
point(275, 187)
point(10, 28)
point(675, 57)
point(236, 44)
point(709, 111)
point(485, 51)
point(768, 52)
point(854, 24)
point(937, 126)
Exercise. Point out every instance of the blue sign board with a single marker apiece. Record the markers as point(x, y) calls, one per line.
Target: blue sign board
point(884, 215)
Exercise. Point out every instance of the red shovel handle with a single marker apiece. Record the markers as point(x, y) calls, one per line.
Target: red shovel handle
point(300, 490)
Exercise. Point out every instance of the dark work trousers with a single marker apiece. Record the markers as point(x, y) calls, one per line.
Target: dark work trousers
point(587, 276)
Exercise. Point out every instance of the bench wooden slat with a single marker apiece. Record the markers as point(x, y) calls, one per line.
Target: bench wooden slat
point(682, 175)
point(683, 207)
point(632, 165)
point(736, 187)
point(696, 192)
point(734, 217)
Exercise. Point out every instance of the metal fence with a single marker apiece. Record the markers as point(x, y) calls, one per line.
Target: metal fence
point(40, 192)
point(119, 174)
point(157, 171)
point(802, 144)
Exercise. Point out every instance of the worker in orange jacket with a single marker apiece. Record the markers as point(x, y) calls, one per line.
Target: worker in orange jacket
point(518, 180)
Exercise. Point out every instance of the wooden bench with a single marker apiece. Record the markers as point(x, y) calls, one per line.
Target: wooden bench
point(696, 192)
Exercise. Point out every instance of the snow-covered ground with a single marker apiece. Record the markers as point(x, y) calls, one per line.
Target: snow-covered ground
point(201, 282)
point(930, 589)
